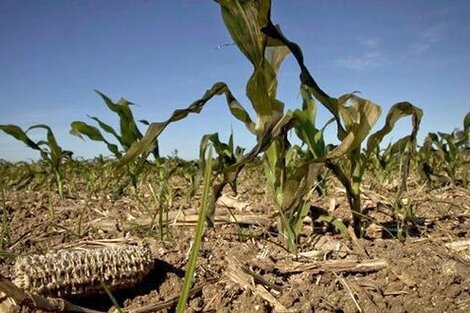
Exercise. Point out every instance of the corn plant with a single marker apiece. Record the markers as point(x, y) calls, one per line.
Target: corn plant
point(383, 163)
point(128, 134)
point(354, 123)
point(51, 153)
point(447, 151)
point(245, 21)
point(264, 45)
point(402, 208)
point(291, 171)
point(192, 175)
point(5, 231)
point(244, 24)
point(164, 195)
point(227, 156)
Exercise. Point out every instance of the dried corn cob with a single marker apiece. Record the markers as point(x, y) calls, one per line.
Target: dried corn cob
point(82, 271)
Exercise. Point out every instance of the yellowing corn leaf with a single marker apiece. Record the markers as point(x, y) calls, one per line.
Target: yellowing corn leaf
point(360, 119)
point(244, 21)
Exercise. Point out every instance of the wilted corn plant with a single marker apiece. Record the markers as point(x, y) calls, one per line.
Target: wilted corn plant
point(354, 123)
point(128, 134)
point(249, 25)
point(51, 153)
point(401, 207)
point(291, 172)
point(351, 170)
point(266, 47)
point(244, 21)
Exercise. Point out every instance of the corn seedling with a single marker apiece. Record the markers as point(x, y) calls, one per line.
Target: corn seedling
point(51, 153)
point(164, 196)
point(128, 134)
point(198, 234)
point(19, 175)
point(227, 156)
point(5, 232)
point(446, 152)
point(192, 175)
point(292, 173)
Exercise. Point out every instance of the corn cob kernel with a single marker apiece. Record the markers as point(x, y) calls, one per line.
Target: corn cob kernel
point(82, 272)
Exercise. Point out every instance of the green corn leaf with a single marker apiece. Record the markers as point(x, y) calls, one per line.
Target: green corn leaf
point(306, 78)
point(397, 111)
point(212, 140)
point(55, 149)
point(399, 146)
point(20, 135)
point(222, 149)
point(79, 128)
point(308, 103)
point(466, 123)
point(243, 20)
point(129, 131)
point(227, 155)
point(155, 129)
point(306, 132)
point(360, 117)
point(198, 234)
point(275, 53)
point(107, 128)
point(298, 184)
point(451, 152)
point(337, 223)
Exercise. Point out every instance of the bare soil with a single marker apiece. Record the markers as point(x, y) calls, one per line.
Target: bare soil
point(243, 267)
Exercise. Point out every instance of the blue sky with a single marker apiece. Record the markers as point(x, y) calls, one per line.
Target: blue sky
point(163, 55)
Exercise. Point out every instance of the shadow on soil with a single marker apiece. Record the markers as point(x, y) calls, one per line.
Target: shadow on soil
point(151, 282)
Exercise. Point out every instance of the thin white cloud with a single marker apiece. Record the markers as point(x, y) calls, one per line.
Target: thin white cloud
point(371, 57)
point(372, 43)
point(368, 60)
point(426, 38)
